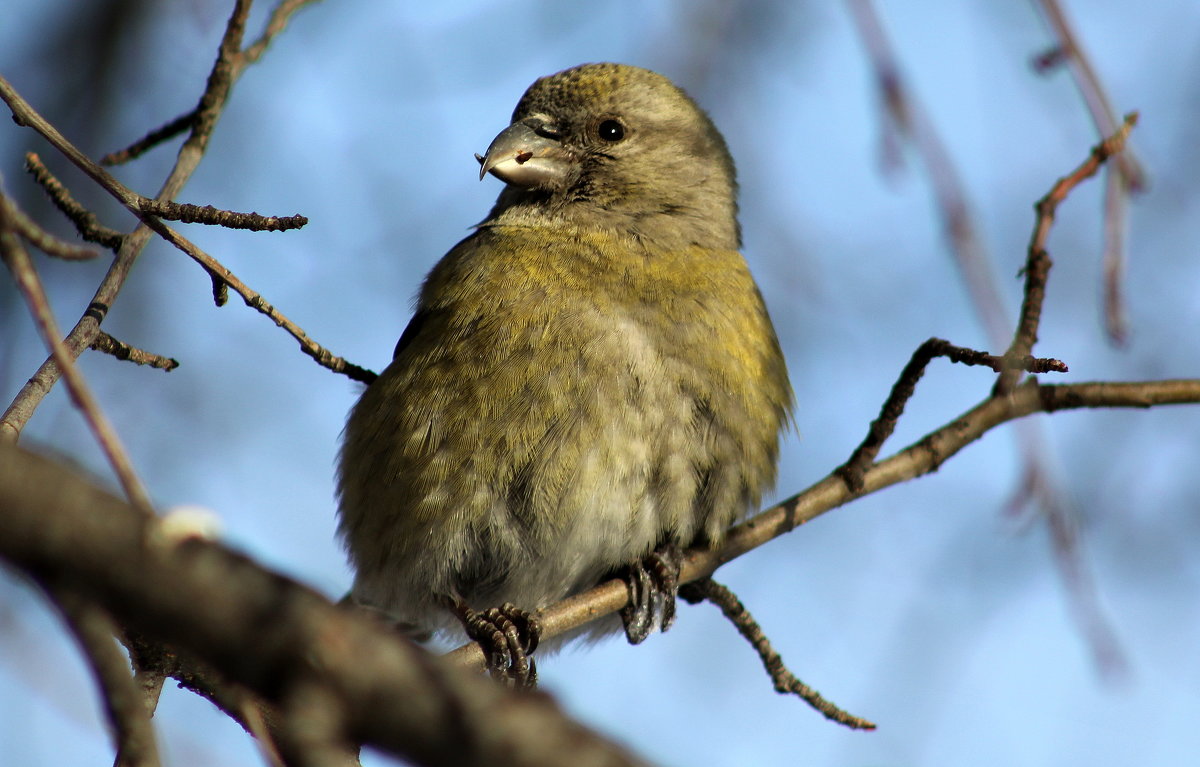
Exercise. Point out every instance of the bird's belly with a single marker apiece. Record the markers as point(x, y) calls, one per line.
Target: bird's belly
point(609, 474)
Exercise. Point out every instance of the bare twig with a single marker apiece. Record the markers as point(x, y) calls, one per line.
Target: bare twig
point(1037, 267)
point(123, 351)
point(152, 139)
point(132, 201)
point(207, 214)
point(785, 683)
point(275, 26)
point(223, 277)
point(86, 223)
point(909, 122)
point(902, 391)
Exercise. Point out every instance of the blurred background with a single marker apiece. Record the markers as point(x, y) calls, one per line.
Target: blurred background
point(928, 608)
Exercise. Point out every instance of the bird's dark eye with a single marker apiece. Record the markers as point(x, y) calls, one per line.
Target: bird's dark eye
point(611, 130)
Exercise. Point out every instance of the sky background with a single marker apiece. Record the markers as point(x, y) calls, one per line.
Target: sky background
point(925, 607)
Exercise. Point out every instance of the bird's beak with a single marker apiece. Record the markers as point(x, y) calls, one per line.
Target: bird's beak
point(525, 157)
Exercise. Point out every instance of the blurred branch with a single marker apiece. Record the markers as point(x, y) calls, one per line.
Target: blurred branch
point(273, 635)
point(906, 385)
point(1068, 50)
point(222, 278)
point(907, 119)
point(1116, 211)
point(128, 715)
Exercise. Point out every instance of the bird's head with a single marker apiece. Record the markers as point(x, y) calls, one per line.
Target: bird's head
point(615, 147)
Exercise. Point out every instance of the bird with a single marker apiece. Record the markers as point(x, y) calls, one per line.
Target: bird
point(590, 381)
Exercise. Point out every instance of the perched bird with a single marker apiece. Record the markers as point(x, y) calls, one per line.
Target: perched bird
point(589, 378)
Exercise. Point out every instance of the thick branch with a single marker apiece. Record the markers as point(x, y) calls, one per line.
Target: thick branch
point(271, 634)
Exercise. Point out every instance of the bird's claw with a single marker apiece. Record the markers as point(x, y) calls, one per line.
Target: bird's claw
point(653, 583)
point(508, 636)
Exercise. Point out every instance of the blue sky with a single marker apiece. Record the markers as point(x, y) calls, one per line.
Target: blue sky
point(924, 607)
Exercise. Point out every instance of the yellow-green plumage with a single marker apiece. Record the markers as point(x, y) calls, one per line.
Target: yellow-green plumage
point(590, 374)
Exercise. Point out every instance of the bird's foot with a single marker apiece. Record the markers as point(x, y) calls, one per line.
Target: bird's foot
point(653, 584)
point(508, 636)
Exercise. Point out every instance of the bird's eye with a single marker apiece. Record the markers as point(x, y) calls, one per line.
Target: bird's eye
point(611, 130)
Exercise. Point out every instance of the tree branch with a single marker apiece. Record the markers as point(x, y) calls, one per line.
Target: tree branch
point(922, 457)
point(273, 635)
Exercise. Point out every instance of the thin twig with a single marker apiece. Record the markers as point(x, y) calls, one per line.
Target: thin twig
point(222, 276)
point(86, 223)
point(207, 214)
point(140, 205)
point(910, 122)
point(906, 384)
point(922, 457)
point(30, 285)
point(150, 140)
point(275, 26)
point(123, 351)
point(785, 683)
point(1037, 267)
